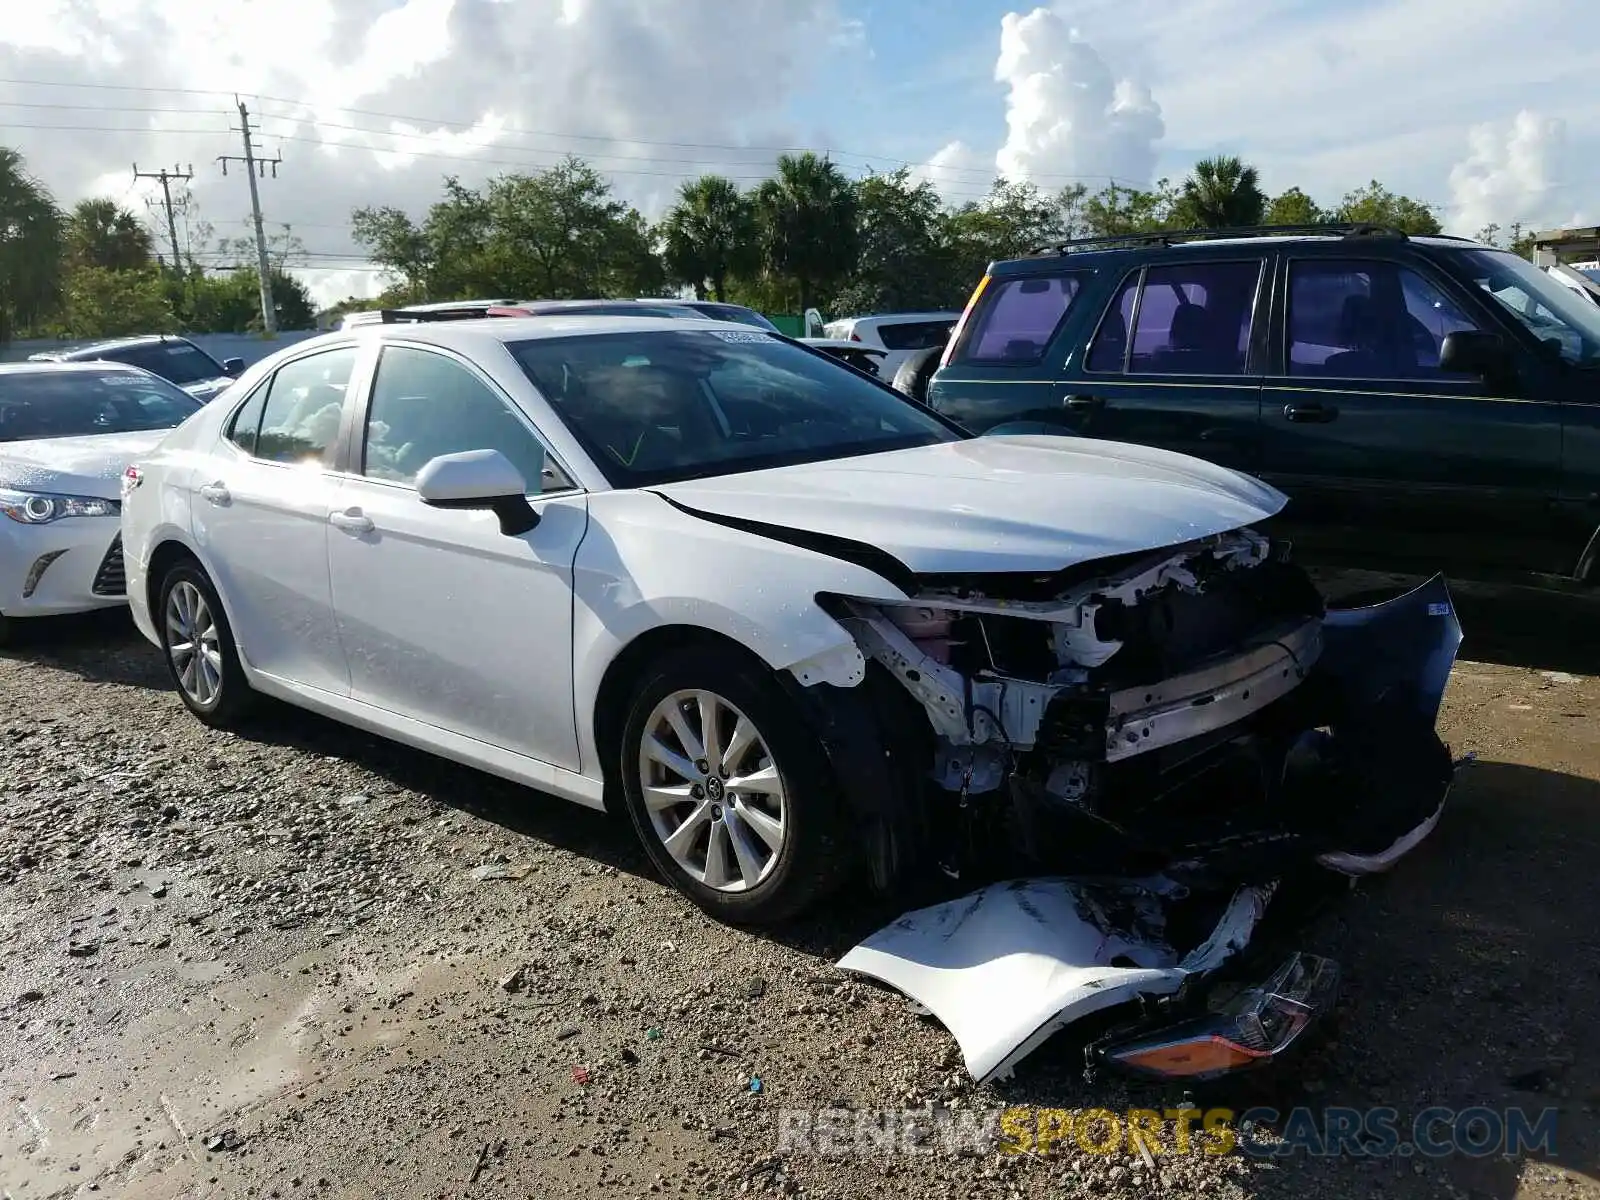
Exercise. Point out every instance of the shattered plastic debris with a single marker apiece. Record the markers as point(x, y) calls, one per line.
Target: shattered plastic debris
point(580, 1075)
point(228, 1139)
point(499, 871)
point(653, 1034)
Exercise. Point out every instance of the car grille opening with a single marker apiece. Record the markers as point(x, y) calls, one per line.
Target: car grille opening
point(109, 579)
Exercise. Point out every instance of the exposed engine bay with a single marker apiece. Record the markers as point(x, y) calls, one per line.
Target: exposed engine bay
point(1131, 760)
point(1169, 711)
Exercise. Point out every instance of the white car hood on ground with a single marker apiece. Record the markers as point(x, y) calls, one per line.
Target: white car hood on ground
point(1003, 503)
point(75, 466)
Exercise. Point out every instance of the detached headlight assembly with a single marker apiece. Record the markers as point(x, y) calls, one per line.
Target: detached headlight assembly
point(40, 508)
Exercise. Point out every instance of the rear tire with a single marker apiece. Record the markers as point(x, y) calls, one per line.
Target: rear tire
point(915, 373)
point(198, 646)
point(748, 855)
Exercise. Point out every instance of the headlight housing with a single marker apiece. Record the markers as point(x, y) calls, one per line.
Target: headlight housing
point(40, 508)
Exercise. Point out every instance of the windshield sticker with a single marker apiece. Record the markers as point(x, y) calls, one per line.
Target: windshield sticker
point(741, 336)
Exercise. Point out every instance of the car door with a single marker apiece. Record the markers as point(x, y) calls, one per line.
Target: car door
point(445, 619)
point(261, 518)
point(1002, 369)
point(1384, 454)
point(1176, 361)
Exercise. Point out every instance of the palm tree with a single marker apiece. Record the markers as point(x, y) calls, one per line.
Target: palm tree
point(709, 235)
point(807, 216)
point(1221, 193)
point(30, 246)
point(102, 234)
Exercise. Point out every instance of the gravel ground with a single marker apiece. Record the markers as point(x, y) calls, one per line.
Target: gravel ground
point(308, 962)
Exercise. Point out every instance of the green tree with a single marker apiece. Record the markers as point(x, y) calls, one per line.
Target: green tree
point(1294, 207)
point(393, 240)
point(807, 218)
point(903, 259)
point(1377, 205)
point(709, 236)
point(100, 233)
point(1115, 211)
point(1014, 219)
point(101, 301)
point(1220, 193)
point(231, 303)
point(30, 247)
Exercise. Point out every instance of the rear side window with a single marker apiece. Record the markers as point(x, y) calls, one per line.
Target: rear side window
point(1190, 319)
point(247, 421)
point(916, 335)
point(1017, 319)
point(304, 402)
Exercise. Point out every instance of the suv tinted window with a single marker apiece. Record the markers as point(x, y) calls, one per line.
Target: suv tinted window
point(1018, 319)
point(304, 402)
point(916, 335)
point(179, 362)
point(1194, 318)
point(425, 404)
point(1367, 320)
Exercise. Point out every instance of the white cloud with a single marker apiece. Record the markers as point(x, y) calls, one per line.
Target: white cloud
point(957, 171)
point(470, 88)
point(1067, 115)
point(1510, 174)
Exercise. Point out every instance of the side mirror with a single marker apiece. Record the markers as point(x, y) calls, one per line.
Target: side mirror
point(479, 479)
point(233, 367)
point(1472, 353)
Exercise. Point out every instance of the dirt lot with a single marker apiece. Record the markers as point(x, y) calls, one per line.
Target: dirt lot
point(278, 965)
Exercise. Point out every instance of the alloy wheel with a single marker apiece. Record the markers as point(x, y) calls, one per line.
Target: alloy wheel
point(193, 643)
point(712, 790)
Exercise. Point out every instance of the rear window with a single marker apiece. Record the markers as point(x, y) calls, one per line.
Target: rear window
point(916, 335)
point(1017, 319)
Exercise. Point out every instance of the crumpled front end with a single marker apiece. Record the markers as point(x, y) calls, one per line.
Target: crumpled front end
point(1190, 725)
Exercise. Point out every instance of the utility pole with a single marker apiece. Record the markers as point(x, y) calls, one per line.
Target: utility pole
point(253, 165)
point(166, 178)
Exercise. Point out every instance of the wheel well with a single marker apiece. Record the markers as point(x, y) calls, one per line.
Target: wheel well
point(611, 702)
point(165, 556)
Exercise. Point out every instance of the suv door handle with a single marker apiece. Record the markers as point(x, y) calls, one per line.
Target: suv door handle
point(1083, 403)
point(217, 492)
point(1310, 414)
point(351, 520)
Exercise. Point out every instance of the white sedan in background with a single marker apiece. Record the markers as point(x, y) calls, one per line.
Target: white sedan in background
point(67, 432)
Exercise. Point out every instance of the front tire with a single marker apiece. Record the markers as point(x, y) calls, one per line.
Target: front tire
point(729, 790)
point(199, 649)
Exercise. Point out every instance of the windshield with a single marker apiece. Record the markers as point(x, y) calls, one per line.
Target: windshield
point(659, 406)
point(180, 362)
point(1552, 312)
point(51, 404)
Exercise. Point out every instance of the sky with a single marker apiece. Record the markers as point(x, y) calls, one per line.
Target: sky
point(1487, 110)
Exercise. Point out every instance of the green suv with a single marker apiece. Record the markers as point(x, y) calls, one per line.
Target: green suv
point(1427, 403)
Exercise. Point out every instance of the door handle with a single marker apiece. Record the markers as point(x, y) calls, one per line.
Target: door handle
point(217, 493)
point(1310, 414)
point(1083, 403)
point(351, 520)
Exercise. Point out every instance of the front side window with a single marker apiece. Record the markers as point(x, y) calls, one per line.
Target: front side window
point(657, 406)
point(1565, 321)
point(426, 404)
point(55, 403)
point(304, 402)
point(1353, 319)
point(1017, 319)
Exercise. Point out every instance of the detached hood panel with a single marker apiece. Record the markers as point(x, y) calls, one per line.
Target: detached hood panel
point(1001, 504)
point(75, 466)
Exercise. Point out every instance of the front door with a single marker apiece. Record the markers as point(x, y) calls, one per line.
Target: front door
point(444, 619)
point(1385, 455)
point(261, 520)
point(1174, 362)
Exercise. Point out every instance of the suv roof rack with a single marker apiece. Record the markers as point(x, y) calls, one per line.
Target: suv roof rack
point(1169, 237)
point(411, 316)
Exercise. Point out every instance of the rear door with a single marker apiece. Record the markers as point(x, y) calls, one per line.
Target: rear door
point(1385, 455)
point(1010, 351)
point(1177, 359)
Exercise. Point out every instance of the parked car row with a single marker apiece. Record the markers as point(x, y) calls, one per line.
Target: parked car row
point(175, 359)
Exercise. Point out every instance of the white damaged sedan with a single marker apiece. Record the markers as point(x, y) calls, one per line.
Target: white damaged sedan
point(67, 432)
point(808, 633)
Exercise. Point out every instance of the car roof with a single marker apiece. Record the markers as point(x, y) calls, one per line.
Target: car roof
point(58, 368)
point(121, 343)
point(841, 344)
point(881, 318)
point(517, 329)
point(1086, 250)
